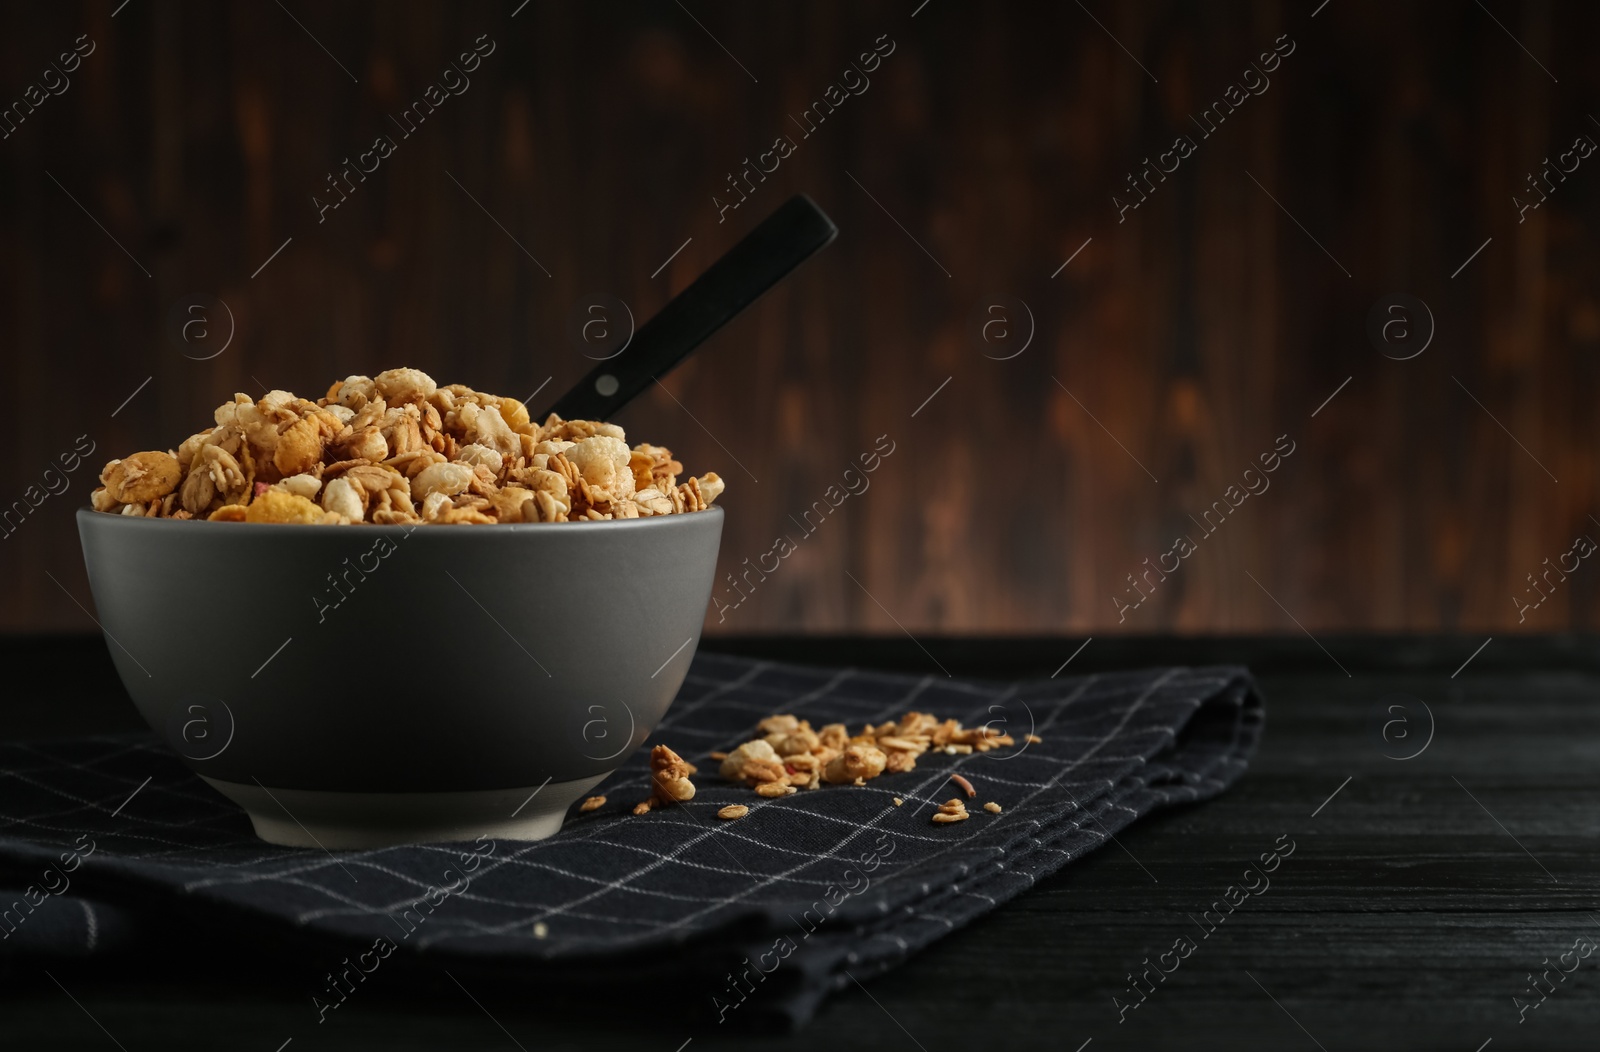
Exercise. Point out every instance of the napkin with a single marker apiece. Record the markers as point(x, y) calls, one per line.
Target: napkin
point(110, 843)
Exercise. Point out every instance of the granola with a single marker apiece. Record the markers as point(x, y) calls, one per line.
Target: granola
point(669, 780)
point(790, 754)
point(399, 448)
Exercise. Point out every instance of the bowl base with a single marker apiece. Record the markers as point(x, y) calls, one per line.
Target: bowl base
point(335, 821)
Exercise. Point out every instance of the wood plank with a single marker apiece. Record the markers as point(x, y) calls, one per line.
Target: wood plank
point(1196, 329)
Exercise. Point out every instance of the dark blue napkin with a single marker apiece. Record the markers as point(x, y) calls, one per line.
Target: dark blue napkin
point(105, 839)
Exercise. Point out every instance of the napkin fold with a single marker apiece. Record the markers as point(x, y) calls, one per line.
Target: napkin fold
point(109, 842)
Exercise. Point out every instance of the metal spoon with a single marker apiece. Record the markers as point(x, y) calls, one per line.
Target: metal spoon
point(765, 256)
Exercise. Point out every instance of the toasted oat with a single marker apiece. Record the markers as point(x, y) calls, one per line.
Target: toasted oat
point(643, 806)
point(898, 801)
point(952, 810)
point(965, 785)
point(992, 807)
point(540, 929)
point(1033, 739)
point(592, 803)
point(733, 811)
point(774, 789)
point(719, 756)
point(989, 740)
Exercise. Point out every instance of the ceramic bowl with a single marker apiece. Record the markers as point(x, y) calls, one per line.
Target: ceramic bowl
point(359, 686)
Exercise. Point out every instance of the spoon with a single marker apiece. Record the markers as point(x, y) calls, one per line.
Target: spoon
point(764, 257)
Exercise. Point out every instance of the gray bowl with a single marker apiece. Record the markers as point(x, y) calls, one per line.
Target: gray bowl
point(370, 685)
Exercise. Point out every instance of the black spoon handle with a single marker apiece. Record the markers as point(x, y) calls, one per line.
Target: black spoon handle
point(784, 240)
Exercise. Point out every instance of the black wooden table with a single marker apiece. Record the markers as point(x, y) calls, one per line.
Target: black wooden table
point(1444, 830)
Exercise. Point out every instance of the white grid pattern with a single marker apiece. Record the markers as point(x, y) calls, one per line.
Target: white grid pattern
point(1115, 747)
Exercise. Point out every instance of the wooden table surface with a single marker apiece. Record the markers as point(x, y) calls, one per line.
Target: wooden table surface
point(1443, 825)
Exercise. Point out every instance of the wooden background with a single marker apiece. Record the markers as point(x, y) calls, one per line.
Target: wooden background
point(985, 152)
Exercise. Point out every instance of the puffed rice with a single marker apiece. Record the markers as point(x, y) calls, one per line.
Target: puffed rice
point(399, 448)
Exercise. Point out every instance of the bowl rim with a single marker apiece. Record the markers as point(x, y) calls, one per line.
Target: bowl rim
point(87, 513)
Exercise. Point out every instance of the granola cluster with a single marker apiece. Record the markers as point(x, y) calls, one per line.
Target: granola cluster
point(790, 755)
point(398, 448)
point(669, 780)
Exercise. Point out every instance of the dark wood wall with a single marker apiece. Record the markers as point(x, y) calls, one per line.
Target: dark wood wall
point(1167, 356)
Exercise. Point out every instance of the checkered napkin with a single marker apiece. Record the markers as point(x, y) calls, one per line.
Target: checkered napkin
point(754, 918)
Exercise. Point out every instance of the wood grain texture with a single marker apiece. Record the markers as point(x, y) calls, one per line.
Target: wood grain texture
point(1407, 917)
point(1171, 352)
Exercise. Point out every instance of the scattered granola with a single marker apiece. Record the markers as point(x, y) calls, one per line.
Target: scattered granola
point(856, 763)
point(1033, 739)
point(952, 810)
point(398, 448)
point(669, 780)
point(733, 811)
point(790, 754)
point(992, 807)
point(774, 789)
point(592, 803)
